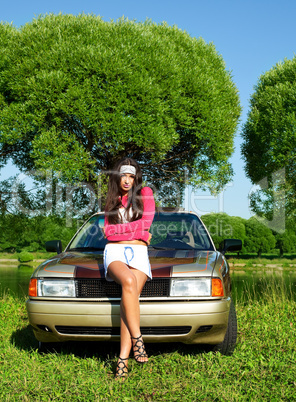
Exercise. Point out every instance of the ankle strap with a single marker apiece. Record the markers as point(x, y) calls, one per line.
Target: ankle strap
point(138, 337)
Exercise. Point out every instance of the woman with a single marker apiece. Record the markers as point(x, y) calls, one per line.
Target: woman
point(129, 213)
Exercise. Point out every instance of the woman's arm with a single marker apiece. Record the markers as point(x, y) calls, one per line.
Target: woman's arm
point(135, 228)
point(137, 235)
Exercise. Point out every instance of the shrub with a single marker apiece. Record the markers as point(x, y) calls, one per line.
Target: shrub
point(7, 246)
point(25, 256)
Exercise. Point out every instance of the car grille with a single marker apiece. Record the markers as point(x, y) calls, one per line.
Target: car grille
point(69, 330)
point(100, 288)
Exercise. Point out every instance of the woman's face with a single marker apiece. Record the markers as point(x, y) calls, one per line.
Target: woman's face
point(126, 183)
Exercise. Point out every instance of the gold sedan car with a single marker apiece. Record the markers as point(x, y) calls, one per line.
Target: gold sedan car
point(188, 300)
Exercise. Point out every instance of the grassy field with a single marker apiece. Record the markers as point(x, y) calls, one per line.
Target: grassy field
point(262, 367)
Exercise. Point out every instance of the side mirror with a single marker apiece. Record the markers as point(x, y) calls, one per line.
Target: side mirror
point(230, 245)
point(54, 246)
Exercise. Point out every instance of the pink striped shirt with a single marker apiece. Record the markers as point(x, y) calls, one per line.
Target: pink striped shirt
point(136, 230)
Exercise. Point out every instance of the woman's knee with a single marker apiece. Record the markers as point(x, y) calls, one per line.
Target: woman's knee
point(129, 283)
point(117, 271)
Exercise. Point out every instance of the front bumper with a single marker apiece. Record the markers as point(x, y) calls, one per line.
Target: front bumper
point(191, 322)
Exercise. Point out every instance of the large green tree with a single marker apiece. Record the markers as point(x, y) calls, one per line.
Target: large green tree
point(77, 93)
point(259, 238)
point(269, 141)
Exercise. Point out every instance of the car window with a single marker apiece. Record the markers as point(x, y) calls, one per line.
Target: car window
point(179, 231)
point(90, 236)
point(169, 231)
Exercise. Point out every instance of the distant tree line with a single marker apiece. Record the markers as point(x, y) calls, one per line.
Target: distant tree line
point(256, 236)
point(23, 233)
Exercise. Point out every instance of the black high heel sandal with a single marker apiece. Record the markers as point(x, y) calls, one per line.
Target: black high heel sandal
point(121, 369)
point(139, 349)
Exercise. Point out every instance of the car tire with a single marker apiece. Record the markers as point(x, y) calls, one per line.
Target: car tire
point(228, 345)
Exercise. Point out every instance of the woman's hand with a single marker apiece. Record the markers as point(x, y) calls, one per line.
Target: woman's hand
point(149, 239)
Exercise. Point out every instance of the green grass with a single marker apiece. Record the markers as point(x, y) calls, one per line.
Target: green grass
point(268, 258)
point(264, 261)
point(262, 367)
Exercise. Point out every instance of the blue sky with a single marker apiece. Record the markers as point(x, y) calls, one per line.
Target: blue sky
point(252, 36)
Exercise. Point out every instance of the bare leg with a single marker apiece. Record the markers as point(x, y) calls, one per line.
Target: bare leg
point(125, 335)
point(132, 282)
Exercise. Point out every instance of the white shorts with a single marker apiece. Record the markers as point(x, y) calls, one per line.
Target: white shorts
point(133, 255)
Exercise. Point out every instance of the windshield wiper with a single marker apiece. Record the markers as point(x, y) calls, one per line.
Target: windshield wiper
point(86, 249)
point(176, 249)
point(162, 248)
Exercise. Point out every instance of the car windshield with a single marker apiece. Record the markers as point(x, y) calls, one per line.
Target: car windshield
point(179, 231)
point(176, 231)
point(90, 237)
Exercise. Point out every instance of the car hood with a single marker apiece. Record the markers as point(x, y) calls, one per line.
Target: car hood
point(164, 263)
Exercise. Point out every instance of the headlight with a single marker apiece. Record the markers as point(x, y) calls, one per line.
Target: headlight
point(191, 287)
point(56, 288)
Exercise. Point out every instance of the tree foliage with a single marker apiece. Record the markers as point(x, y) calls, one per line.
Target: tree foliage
point(259, 238)
point(46, 196)
point(222, 226)
point(269, 136)
point(20, 232)
point(77, 93)
point(286, 242)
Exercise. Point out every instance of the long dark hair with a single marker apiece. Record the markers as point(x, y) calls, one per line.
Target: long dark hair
point(114, 196)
